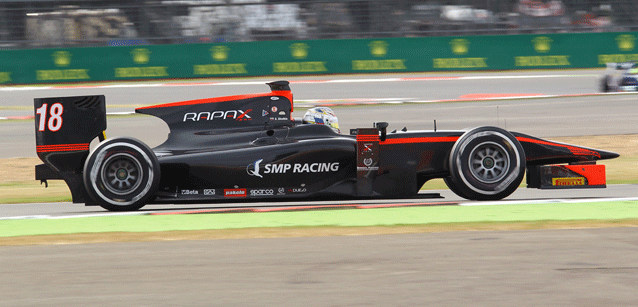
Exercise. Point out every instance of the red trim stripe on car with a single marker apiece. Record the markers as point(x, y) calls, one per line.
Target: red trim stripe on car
point(435, 139)
point(204, 101)
point(62, 147)
point(575, 150)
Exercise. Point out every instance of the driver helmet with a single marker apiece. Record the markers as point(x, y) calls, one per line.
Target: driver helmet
point(322, 116)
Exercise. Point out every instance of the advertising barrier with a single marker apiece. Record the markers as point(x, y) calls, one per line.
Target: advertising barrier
point(286, 58)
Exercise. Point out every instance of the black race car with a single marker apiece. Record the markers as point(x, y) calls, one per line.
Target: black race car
point(250, 147)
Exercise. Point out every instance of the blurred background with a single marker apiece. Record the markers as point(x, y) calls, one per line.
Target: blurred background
point(44, 23)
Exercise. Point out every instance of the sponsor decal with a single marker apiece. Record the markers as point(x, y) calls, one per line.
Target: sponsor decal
point(367, 161)
point(62, 59)
point(367, 168)
point(264, 113)
point(220, 69)
point(234, 192)
point(209, 191)
point(299, 51)
point(238, 115)
point(141, 56)
point(279, 118)
point(379, 49)
point(460, 46)
point(297, 190)
point(459, 62)
point(220, 54)
point(617, 58)
point(281, 191)
point(274, 108)
point(367, 147)
point(5, 76)
point(568, 181)
point(542, 44)
point(256, 169)
point(626, 42)
point(294, 67)
point(253, 168)
point(137, 72)
point(262, 192)
point(546, 60)
point(190, 192)
point(274, 98)
point(368, 165)
point(394, 64)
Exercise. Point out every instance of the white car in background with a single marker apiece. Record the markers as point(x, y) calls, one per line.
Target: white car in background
point(620, 77)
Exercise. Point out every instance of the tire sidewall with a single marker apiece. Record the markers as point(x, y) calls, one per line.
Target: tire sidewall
point(131, 149)
point(473, 187)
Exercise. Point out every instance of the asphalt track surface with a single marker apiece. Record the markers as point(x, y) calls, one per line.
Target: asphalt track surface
point(586, 267)
point(579, 267)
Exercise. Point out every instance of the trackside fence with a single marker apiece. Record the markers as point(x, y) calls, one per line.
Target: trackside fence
point(303, 57)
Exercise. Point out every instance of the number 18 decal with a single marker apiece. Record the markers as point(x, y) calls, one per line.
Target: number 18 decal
point(55, 118)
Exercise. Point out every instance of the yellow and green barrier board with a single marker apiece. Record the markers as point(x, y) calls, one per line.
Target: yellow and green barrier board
point(345, 56)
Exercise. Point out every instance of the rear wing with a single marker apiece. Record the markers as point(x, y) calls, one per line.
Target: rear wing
point(64, 129)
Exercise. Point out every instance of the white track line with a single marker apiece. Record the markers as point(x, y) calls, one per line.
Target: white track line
point(548, 201)
point(358, 80)
point(466, 204)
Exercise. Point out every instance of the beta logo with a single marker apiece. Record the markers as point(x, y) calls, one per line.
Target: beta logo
point(256, 169)
point(238, 115)
point(235, 192)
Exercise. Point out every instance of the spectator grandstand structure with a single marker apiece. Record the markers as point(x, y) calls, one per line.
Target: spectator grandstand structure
point(44, 23)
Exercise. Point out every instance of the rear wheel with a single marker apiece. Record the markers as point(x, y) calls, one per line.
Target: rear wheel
point(604, 84)
point(486, 163)
point(122, 174)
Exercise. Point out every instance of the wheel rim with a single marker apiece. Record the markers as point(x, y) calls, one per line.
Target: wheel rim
point(489, 162)
point(122, 174)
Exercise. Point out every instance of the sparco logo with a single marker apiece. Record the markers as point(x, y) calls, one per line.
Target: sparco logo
point(257, 169)
point(262, 192)
point(238, 115)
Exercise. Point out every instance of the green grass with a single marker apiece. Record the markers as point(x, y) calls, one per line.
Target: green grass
point(383, 217)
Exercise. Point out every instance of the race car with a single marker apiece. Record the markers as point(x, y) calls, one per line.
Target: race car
point(250, 147)
point(620, 77)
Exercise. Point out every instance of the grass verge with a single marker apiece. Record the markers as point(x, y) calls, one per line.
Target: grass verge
point(120, 228)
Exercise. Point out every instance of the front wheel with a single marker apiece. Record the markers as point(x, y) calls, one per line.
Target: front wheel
point(121, 174)
point(486, 163)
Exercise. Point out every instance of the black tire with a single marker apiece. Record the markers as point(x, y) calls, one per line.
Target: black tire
point(450, 184)
point(486, 163)
point(121, 174)
point(604, 84)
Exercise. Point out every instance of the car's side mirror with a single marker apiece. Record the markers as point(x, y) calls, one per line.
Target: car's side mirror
point(382, 126)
